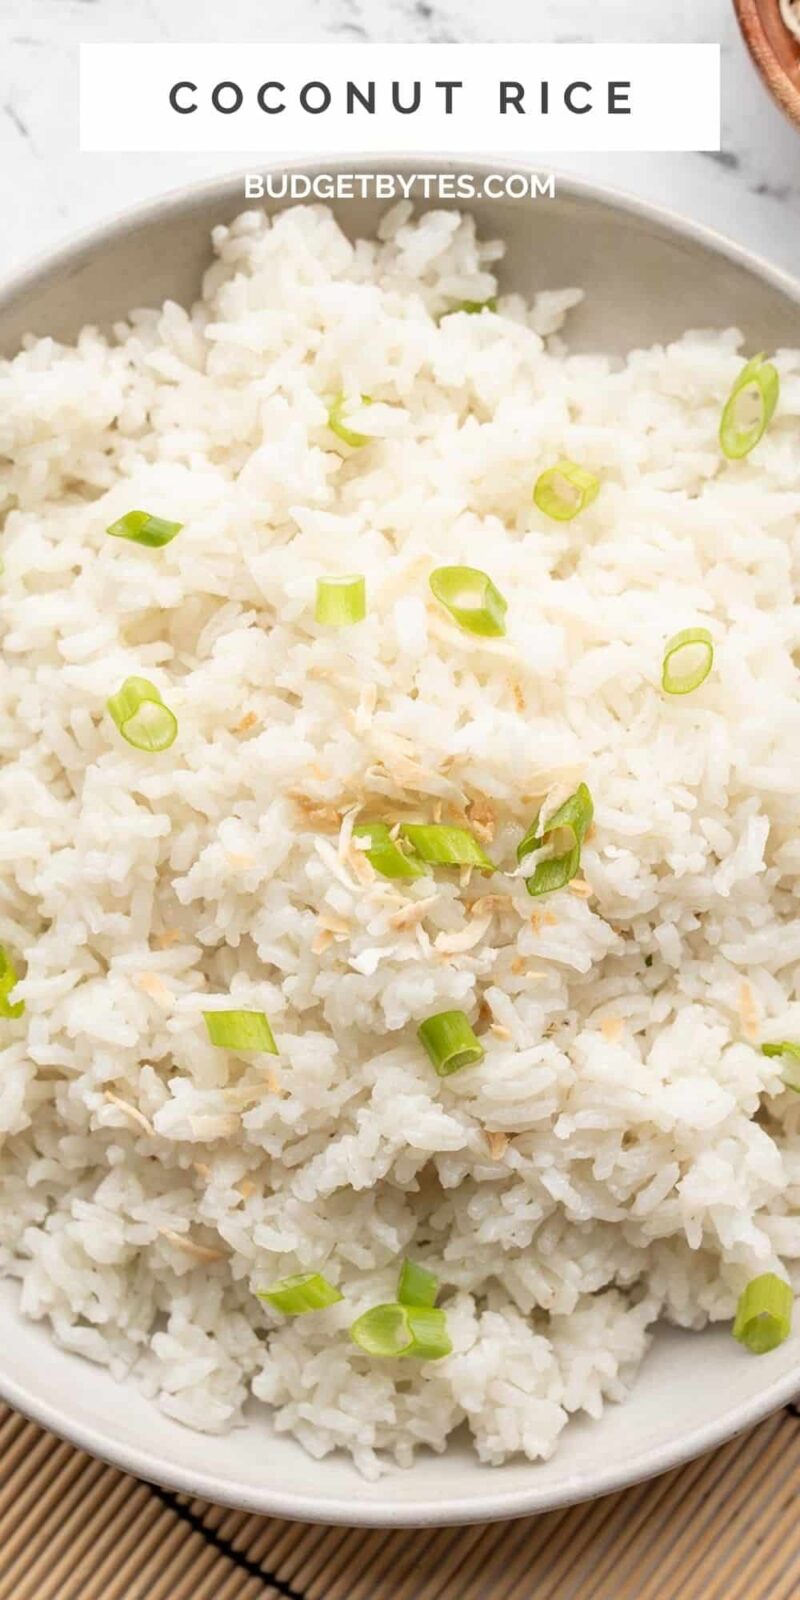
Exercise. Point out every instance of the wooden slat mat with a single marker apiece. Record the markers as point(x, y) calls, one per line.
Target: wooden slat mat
point(726, 1527)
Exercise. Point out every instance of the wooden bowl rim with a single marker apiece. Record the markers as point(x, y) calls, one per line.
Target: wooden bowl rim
point(774, 74)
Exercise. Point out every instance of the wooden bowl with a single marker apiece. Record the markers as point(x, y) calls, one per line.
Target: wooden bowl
point(775, 52)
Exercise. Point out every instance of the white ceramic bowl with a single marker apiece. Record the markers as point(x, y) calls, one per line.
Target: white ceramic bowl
point(649, 277)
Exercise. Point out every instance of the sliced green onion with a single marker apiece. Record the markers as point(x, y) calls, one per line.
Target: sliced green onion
point(791, 1054)
point(450, 1042)
point(416, 1286)
point(337, 425)
point(688, 659)
point(564, 490)
point(142, 528)
point(446, 847)
point(565, 832)
point(395, 1330)
point(385, 855)
point(141, 716)
point(764, 1314)
point(749, 409)
point(240, 1030)
point(471, 307)
point(8, 981)
point(341, 601)
point(306, 1291)
point(471, 598)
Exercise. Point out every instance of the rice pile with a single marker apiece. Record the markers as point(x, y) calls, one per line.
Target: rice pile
point(625, 1152)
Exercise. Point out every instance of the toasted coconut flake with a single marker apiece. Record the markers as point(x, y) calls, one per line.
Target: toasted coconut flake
point(387, 742)
point(249, 1094)
point(169, 936)
point(384, 898)
point(247, 722)
point(220, 1125)
point(498, 1143)
point(316, 813)
point(155, 987)
point(482, 819)
point(612, 1028)
point(338, 869)
point(408, 774)
point(581, 888)
point(449, 633)
point(201, 1252)
point(490, 902)
point(331, 923)
point(413, 912)
point(361, 866)
point(453, 944)
point(748, 1012)
point(346, 832)
point(133, 1112)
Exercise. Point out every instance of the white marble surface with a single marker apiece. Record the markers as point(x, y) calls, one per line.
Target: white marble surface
point(49, 190)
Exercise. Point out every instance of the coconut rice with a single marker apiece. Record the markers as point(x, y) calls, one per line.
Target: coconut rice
point(624, 1152)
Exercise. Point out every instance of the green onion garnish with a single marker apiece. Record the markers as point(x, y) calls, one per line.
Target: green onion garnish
point(688, 659)
point(395, 1330)
point(8, 980)
point(471, 307)
point(240, 1030)
point(338, 426)
point(142, 528)
point(341, 601)
point(306, 1291)
point(791, 1054)
point(471, 598)
point(386, 857)
point(446, 847)
point(564, 490)
point(565, 831)
point(416, 1286)
point(764, 1314)
point(450, 1042)
point(141, 716)
point(749, 409)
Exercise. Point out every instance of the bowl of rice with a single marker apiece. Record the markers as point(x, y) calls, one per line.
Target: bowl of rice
point(399, 783)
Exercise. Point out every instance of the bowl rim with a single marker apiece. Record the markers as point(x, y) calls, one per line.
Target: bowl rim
point(493, 1505)
point(771, 70)
point(345, 1511)
point(28, 273)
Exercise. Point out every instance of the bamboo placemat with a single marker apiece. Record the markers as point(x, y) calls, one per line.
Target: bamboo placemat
point(723, 1528)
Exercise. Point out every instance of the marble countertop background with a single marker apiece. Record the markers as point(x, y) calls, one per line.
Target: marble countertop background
point(49, 190)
